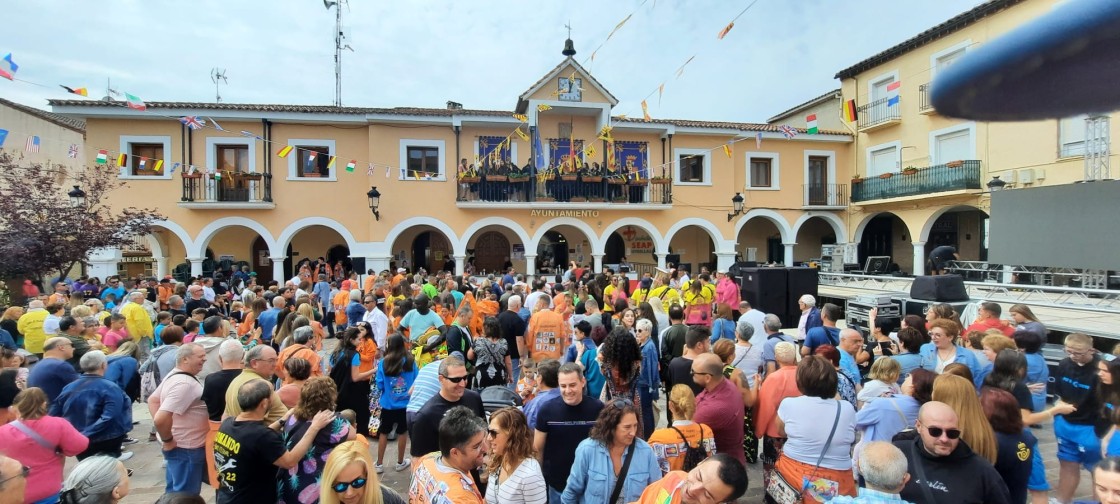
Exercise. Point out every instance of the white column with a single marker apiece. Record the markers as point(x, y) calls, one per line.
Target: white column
point(103, 262)
point(278, 269)
point(661, 260)
point(161, 267)
point(530, 265)
point(460, 264)
point(598, 260)
point(196, 265)
point(919, 258)
point(724, 261)
point(378, 263)
point(787, 259)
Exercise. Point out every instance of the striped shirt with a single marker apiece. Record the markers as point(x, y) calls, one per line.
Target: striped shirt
point(425, 386)
point(525, 485)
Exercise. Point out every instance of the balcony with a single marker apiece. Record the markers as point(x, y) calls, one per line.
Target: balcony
point(824, 196)
point(565, 192)
point(877, 115)
point(925, 99)
point(234, 191)
point(953, 176)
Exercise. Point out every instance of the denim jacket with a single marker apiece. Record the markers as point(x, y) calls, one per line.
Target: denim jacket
point(649, 377)
point(592, 478)
point(96, 407)
point(964, 356)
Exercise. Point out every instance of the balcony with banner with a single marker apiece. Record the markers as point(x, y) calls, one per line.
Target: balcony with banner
point(878, 114)
point(949, 177)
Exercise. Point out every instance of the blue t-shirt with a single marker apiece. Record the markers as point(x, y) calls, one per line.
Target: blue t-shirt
point(822, 335)
point(849, 367)
point(394, 389)
point(51, 375)
point(418, 324)
point(267, 321)
point(772, 341)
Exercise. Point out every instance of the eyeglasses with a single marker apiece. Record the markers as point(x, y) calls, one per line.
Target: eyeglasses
point(1082, 353)
point(493, 432)
point(23, 472)
point(938, 431)
point(694, 372)
point(456, 379)
point(341, 486)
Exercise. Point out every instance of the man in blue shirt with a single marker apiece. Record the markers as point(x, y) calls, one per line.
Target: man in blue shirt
point(52, 373)
point(883, 467)
point(114, 288)
point(97, 408)
point(267, 320)
point(827, 334)
point(851, 342)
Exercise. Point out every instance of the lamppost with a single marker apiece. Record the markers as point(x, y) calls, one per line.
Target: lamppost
point(374, 197)
point(996, 184)
point(77, 197)
point(736, 205)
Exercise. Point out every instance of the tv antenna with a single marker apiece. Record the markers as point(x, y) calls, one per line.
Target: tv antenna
point(340, 43)
point(218, 75)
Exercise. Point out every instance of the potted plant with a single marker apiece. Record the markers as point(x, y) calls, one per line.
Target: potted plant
point(856, 179)
point(312, 175)
point(620, 198)
point(578, 199)
point(596, 199)
point(909, 170)
point(955, 164)
point(194, 175)
point(496, 178)
point(617, 180)
point(886, 175)
point(546, 199)
point(660, 180)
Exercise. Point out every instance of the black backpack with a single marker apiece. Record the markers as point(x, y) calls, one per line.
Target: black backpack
point(693, 456)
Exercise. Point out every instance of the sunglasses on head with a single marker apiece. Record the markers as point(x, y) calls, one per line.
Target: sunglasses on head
point(341, 486)
point(456, 379)
point(938, 431)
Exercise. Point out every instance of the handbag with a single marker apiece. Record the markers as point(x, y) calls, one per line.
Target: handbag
point(622, 475)
point(781, 490)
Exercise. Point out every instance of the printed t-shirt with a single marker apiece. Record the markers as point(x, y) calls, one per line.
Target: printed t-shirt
point(666, 490)
point(548, 335)
point(435, 482)
point(244, 453)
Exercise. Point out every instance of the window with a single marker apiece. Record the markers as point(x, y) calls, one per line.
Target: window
point(233, 158)
point(1071, 136)
point(313, 162)
point(302, 167)
point(879, 89)
point(882, 161)
point(943, 62)
point(762, 170)
point(945, 58)
point(422, 159)
point(151, 151)
point(952, 147)
point(692, 168)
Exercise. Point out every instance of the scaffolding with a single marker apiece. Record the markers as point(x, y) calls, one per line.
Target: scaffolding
point(1097, 148)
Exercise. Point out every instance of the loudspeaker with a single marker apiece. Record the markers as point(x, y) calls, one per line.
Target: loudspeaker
point(765, 289)
point(941, 288)
point(358, 264)
point(800, 281)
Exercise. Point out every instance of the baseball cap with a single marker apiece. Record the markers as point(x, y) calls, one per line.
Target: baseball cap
point(401, 270)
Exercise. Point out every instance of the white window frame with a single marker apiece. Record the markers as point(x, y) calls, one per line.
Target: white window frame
point(293, 159)
point(212, 144)
point(405, 143)
point(897, 145)
point(1062, 154)
point(512, 152)
point(678, 152)
point(831, 165)
point(962, 46)
point(775, 170)
point(125, 172)
point(933, 135)
point(889, 76)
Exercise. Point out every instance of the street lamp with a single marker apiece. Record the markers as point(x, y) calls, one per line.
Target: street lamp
point(374, 197)
point(77, 197)
point(736, 205)
point(996, 184)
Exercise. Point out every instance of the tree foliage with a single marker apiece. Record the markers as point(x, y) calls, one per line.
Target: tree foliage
point(42, 231)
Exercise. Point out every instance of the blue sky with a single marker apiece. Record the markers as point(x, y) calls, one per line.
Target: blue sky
point(480, 53)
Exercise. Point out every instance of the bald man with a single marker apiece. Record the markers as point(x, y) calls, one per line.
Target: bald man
point(714, 403)
point(943, 468)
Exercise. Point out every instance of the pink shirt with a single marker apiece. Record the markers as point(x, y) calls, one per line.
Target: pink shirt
point(45, 478)
point(181, 395)
point(727, 293)
point(112, 339)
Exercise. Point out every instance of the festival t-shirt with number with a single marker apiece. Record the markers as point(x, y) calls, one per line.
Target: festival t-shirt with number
point(435, 482)
point(244, 453)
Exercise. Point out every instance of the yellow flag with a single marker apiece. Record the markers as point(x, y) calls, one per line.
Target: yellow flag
point(606, 131)
point(521, 117)
point(590, 150)
point(159, 165)
point(723, 32)
point(542, 107)
point(619, 25)
point(727, 150)
point(522, 135)
point(330, 164)
point(645, 111)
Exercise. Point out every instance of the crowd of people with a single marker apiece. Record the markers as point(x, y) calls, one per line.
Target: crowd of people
point(497, 390)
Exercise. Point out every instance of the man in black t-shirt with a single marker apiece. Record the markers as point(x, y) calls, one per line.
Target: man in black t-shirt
point(561, 425)
point(1075, 382)
point(513, 330)
point(939, 256)
point(452, 392)
point(247, 453)
point(230, 354)
point(680, 368)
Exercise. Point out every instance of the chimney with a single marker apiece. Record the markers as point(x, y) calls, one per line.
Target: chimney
point(451, 105)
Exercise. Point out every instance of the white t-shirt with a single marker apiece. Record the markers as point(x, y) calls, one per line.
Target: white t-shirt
point(755, 318)
point(747, 359)
point(525, 485)
point(808, 422)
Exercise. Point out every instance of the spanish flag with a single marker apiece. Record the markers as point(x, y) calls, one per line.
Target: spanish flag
point(849, 111)
point(285, 151)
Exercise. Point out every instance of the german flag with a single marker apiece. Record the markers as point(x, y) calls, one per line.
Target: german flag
point(849, 112)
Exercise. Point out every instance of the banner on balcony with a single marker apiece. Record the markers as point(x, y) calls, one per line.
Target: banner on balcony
point(561, 151)
point(633, 158)
point(488, 150)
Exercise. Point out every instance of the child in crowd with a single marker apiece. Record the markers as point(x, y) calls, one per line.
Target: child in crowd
point(116, 332)
point(527, 385)
point(883, 380)
point(163, 319)
point(191, 328)
point(352, 417)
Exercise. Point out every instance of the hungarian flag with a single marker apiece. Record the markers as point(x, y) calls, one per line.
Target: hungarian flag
point(850, 114)
point(102, 156)
point(78, 91)
point(350, 165)
point(811, 124)
point(134, 102)
point(285, 151)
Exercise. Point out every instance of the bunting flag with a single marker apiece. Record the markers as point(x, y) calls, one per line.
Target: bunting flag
point(892, 93)
point(330, 162)
point(590, 150)
point(174, 167)
point(73, 152)
point(250, 134)
point(350, 166)
point(369, 171)
point(190, 169)
point(386, 170)
point(758, 140)
point(3, 137)
point(143, 162)
point(619, 25)
point(680, 71)
point(723, 32)
point(727, 150)
point(645, 111)
point(122, 160)
point(158, 166)
point(538, 150)
point(542, 107)
point(102, 156)
point(283, 153)
point(521, 134)
point(9, 72)
point(593, 55)
point(135, 103)
point(811, 124)
point(78, 91)
point(521, 117)
point(215, 123)
point(32, 144)
point(192, 122)
point(788, 131)
point(311, 158)
point(850, 114)
point(660, 91)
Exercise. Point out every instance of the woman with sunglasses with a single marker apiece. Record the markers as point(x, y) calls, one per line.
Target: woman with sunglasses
point(597, 475)
point(515, 474)
point(348, 478)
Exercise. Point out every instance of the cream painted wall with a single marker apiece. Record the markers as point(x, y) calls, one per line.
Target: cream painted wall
point(54, 140)
point(236, 241)
point(694, 245)
point(590, 94)
point(828, 116)
point(315, 241)
point(809, 239)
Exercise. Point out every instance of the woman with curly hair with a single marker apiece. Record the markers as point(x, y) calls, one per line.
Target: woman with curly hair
point(515, 474)
point(302, 480)
point(612, 440)
point(620, 360)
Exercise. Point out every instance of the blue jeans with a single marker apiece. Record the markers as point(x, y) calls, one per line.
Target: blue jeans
point(185, 469)
point(554, 496)
point(516, 363)
point(648, 423)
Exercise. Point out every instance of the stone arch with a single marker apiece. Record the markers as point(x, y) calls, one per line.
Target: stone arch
point(294, 228)
point(858, 235)
point(928, 226)
point(779, 222)
point(832, 219)
point(393, 234)
point(706, 225)
point(461, 246)
point(659, 242)
point(198, 248)
point(592, 236)
point(177, 230)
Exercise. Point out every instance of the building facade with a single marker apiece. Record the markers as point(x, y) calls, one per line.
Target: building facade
point(654, 191)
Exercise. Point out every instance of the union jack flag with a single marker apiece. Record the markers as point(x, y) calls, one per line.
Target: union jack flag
point(788, 131)
point(32, 144)
point(192, 122)
point(73, 151)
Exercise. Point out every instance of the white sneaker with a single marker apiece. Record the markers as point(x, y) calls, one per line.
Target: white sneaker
point(405, 464)
point(125, 456)
point(379, 469)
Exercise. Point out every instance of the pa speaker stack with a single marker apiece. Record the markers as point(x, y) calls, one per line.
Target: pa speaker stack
point(776, 290)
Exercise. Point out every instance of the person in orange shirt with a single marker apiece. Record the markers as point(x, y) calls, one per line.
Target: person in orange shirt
point(547, 334)
point(61, 294)
point(445, 476)
point(301, 347)
point(720, 478)
point(258, 307)
point(339, 302)
point(367, 284)
point(668, 444)
point(398, 278)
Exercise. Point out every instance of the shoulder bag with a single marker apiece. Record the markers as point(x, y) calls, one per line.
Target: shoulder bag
point(22, 427)
point(781, 491)
point(621, 480)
